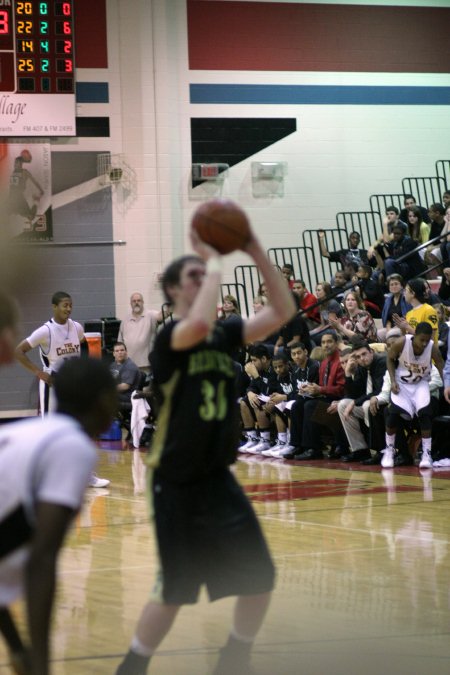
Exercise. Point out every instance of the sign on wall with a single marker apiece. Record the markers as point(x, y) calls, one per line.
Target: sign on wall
point(25, 175)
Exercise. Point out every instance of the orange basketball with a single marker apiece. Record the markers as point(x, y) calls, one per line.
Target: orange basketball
point(222, 224)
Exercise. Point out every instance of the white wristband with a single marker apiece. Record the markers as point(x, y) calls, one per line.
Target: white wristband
point(214, 265)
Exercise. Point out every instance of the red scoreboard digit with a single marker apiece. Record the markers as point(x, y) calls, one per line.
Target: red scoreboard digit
point(37, 68)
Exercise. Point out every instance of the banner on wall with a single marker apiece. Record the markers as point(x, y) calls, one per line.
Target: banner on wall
point(25, 188)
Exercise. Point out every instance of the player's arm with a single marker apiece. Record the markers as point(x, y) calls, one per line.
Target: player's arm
point(393, 353)
point(21, 356)
point(201, 316)
point(52, 523)
point(282, 306)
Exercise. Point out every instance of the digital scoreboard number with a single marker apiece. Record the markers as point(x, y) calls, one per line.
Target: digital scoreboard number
point(37, 68)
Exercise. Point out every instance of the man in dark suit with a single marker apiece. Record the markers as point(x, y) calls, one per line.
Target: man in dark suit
point(364, 373)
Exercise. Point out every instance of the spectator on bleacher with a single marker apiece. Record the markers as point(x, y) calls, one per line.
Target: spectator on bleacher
point(262, 379)
point(444, 289)
point(445, 246)
point(338, 287)
point(389, 221)
point(430, 297)
point(328, 308)
point(230, 308)
point(370, 290)
point(443, 328)
point(352, 254)
point(436, 212)
point(400, 245)
point(306, 299)
point(421, 311)
point(364, 373)
point(296, 330)
point(259, 302)
point(356, 321)
point(408, 202)
point(288, 273)
point(418, 230)
point(446, 199)
point(315, 412)
point(394, 303)
point(262, 290)
point(274, 408)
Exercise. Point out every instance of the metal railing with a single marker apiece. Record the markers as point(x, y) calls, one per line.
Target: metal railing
point(426, 190)
point(379, 203)
point(443, 171)
point(367, 223)
point(301, 258)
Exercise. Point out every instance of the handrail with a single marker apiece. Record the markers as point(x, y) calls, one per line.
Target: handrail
point(421, 246)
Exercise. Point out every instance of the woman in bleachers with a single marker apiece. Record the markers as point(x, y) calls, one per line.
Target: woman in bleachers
point(417, 229)
point(356, 320)
point(329, 308)
point(230, 308)
point(394, 303)
point(444, 289)
point(443, 328)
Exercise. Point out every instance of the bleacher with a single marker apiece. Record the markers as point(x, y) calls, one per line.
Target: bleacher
point(310, 265)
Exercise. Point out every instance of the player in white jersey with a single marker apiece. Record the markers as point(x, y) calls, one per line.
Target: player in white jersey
point(45, 467)
point(58, 340)
point(409, 364)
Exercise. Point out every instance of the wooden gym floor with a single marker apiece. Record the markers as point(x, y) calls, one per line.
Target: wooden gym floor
point(363, 574)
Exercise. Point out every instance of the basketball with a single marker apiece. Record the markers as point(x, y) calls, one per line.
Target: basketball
point(222, 224)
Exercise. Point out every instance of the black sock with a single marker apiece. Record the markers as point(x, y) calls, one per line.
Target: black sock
point(133, 664)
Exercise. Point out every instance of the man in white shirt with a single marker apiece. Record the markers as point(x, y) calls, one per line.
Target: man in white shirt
point(45, 467)
point(138, 331)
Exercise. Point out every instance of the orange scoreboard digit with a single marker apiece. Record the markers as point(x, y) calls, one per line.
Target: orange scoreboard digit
point(37, 69)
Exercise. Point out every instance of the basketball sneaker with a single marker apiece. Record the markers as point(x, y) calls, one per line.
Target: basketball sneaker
point(426, 461)
point(387, 461)
point(259, 447)
point(253, 440)
point(96, 482)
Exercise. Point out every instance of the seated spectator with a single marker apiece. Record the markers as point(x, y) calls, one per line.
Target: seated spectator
point(339, 284)
point(307, 434)
point(328, 308)
point(445, 245)
point(288, 273)
point(443, 328)
point(356, 320)
point(262, 381)
point(317, 354)
point(364, 373)
point(430, 297)
point(126, 374)
point(389, 221)
point(400, 245)
point(371, 291)
point(444, 289)
point(421, 311)
point(394, 303)
point(417, 229)
point(410, 201)
point(259, 302)
point(296, 330)
point(433, 255)
point(446, 199)
point(230, 308)
point(352, 254)
point(262, 290)
point(306, 299)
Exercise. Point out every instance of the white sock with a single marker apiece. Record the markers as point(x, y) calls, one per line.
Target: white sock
point(390, 440)
point(426, 445)
point(138, 648)
point(282, 437)
point(265, 435)
point(242, 638)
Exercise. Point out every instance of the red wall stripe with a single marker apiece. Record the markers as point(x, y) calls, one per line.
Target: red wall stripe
point(281, 36)
point(90, 34)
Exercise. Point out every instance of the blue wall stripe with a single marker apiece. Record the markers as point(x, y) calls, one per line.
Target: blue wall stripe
point(318, 94)
point(92, 92)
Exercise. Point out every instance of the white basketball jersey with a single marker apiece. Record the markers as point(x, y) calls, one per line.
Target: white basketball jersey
point(413, 368)
point(63, 344)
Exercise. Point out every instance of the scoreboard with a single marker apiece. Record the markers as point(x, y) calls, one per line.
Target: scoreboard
point(37, 69)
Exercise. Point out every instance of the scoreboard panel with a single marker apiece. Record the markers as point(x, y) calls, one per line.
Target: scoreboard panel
point(37, 68)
